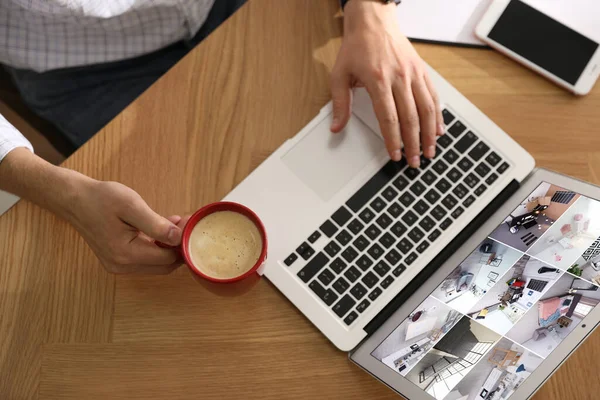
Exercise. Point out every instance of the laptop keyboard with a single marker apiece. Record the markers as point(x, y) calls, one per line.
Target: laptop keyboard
point(392, 219)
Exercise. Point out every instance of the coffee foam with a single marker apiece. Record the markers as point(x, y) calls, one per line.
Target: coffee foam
point(225, 244)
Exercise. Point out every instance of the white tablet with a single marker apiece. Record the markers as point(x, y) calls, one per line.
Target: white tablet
point(498, 318)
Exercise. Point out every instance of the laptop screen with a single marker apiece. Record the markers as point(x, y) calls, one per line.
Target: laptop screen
point(508, 305)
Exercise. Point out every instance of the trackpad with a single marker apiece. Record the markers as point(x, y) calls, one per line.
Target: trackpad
point(326, 162)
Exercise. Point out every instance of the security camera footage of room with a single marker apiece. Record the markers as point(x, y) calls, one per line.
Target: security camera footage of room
point(508, 305)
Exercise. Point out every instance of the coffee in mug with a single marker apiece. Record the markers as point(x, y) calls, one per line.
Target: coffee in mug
point(225, 245)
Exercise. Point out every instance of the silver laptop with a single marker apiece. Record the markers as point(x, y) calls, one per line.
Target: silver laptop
point(7, 200)
point(472, 277)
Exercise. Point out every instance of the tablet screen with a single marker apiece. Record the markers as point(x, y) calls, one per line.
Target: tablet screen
point(508, 305)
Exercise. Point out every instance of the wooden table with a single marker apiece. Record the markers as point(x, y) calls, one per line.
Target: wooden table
point(69, 330)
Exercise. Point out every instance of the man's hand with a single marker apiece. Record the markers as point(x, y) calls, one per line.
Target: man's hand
point(375, 54)
point(113, 219)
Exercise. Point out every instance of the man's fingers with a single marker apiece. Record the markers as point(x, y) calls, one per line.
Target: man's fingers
point(146, 253)
point(341, 93)
point(139, 215)
point(440, 127)
point(409, 121)
point(427, 117)
point(387, 115)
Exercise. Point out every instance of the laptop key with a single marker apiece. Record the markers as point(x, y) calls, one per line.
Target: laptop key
point(364, 262)
point(375, 251)
point(465, 142)
point(387, 240)
point(355, 226)
point(416, 234)
point(478, 151)
point(428, 177)
point(326, 277)
point(360, 243)
point(480, 189)
point(363, 306)
point(373, 185)
point(290, 260)
point(313, 267)
point(434, 235)
point(493, 159)
point(468, 201)
point(314, 237)
point(491, 179)
point(341, 216)
point(398, 229)
point(340, 285)
point(307, 253)
point(438, 213)
point(423, 246)
point(381, 268)
point(446, 223)
point(503, 167)
point(378, 204)
point(411, 173)
point(370, 279)
point(482, 169)
point(440, 167)
point(372, 231)
point(471, 180)
point(332, 248)
point(393, 257)
point(399, 270)
point(432, 196)
point(349, 254)
point(350, 318)
point(409, 218)
point(449, 201)
point(424, 162)
point(389, 193)
point(465, 164)
point(444, 141)
point(457, 129)
point(358, 291)
point(338, 265)
point(417, 188)
point(450, 156)
point(443, 185)
point(460, 191)
point(328, 228)
point(343, 237)
point(395, 210)
point(447, 115)
point(387, 282)
point(375, 294)
point(327, 295)
point(404, 246)
point(407, 199)
point(457, 213)
point(454, 175)
point(427, 223)
point(421, 207)
point(400, 183)
point(366, 215)
point(384, 221)
point(343, 306)
point(410, 258)
point(352, 274)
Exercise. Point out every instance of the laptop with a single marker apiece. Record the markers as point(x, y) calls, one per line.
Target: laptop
point(472, 277)
point(7, 200)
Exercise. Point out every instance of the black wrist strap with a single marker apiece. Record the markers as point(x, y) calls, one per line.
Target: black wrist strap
point(343, 2)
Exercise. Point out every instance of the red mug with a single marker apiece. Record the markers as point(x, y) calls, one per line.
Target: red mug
point(231, 286)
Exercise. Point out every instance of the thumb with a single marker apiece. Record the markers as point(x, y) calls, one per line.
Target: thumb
point(142, 217)
point(341, 94)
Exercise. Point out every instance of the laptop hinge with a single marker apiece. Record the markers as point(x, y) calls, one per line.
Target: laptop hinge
point(439, 260)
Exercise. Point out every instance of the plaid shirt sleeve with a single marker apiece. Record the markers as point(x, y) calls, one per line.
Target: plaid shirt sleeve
point(10, 138)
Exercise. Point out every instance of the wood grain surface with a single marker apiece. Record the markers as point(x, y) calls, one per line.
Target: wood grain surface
point(69, 330)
